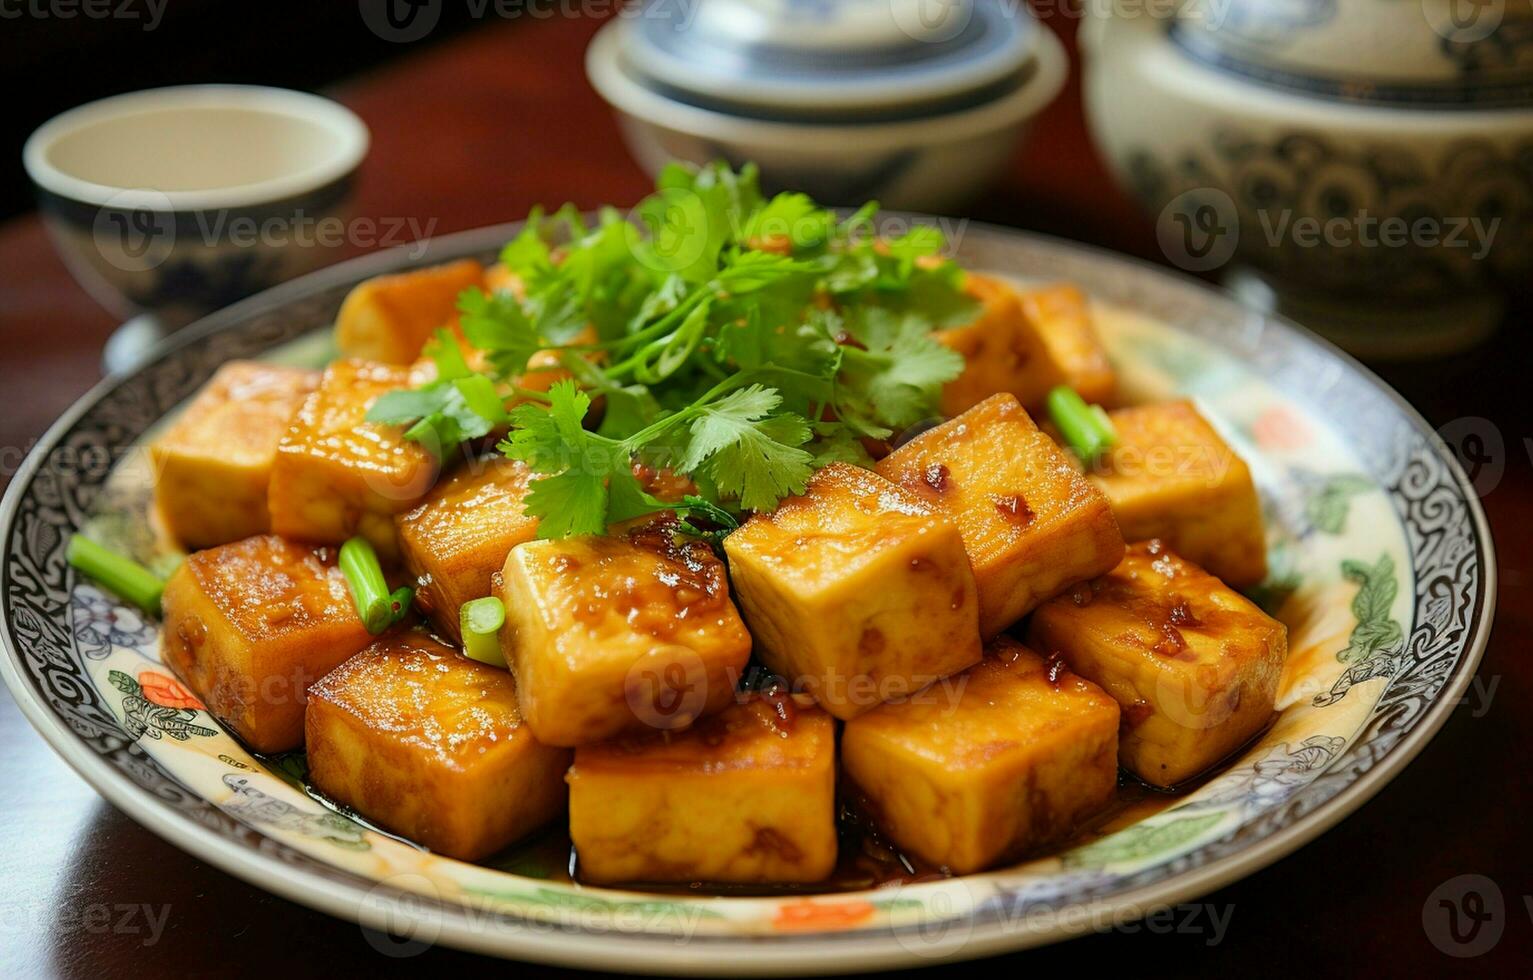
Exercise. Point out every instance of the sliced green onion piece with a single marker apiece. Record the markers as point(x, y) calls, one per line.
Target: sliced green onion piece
point(481, 620)
point(119, 573)
point(359, 563)
point(1086, 428)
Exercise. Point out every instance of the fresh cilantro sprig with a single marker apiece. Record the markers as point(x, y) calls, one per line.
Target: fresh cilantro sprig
point(735, 339)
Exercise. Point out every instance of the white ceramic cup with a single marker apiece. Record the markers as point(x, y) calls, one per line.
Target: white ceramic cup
point(174, 202)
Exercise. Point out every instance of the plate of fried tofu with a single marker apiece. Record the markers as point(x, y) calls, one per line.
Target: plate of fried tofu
point(819, 594)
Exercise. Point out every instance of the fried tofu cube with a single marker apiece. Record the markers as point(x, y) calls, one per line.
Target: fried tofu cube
point(1194, 664)
point(1171, 476)
point(1060, 317)
point(856, 591)
point(1007, 756)
point(214, 463)
point(250, 625)
point(611, 634)
point(431, 745)
point(1025, 343)
point(746, 795)
point(390, 318)
point(1031, 523)
point(337, 475)
point(458, 538)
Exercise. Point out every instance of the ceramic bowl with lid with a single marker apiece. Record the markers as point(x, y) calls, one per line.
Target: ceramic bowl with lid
point(916, 105)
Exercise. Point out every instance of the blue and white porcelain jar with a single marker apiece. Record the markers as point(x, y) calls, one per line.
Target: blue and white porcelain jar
point(1365, 167)
point(916, 104)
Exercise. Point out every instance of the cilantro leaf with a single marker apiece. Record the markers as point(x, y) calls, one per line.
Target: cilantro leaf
point(495, 324)
point(749, 453)
point(896, 374)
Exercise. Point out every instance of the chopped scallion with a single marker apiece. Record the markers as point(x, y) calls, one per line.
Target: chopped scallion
point(359, 563)
point(1086, 428)
point(119, 573)
point(481, 620)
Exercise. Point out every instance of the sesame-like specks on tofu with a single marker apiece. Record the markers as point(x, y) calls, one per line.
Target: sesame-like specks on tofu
point(1194, 664)
point(852, 558)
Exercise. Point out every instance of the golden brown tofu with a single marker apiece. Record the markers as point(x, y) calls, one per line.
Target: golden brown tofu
point(1060, 317)
point(1007, 756)
point(214, 463)
point(856, 591)
point(459, 536)
point(250, 625)
point(1171, 476)
point(997, 347)
point(1193, 663)
point(1031, 523)
point(1025, 343)
point(746, 795)
point(337, 475)
point(616, 634)
point(431, 745)
point(390, 318)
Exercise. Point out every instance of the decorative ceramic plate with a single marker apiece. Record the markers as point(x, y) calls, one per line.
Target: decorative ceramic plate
point(1381, 567)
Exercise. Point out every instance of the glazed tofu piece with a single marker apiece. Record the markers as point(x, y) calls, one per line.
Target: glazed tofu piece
point(214, 463)
point(458, 538)
point(1193, 663)
point(337, 475)
point(1031, 523)
point(1171, 476)
point(856, 591)
point(1009, 755)
point(250, 625)
point(390, 318)
point(1060, 317)
point(431, 745)
point(746, 795)
point(1024, 343)
point(614, 634)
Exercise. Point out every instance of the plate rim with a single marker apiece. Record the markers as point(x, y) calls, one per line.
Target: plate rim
point(698, 954)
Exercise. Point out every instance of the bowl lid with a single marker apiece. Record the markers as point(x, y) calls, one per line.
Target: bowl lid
point(792, 57)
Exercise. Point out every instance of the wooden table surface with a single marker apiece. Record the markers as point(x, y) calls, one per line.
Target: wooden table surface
point(474, 132)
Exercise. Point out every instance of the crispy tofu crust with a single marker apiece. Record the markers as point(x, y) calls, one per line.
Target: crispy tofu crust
point(250, 625)
point(1194, 664)
point(1170, 476)
point(214, 463)
point(390, 318)
point(458, 537)
point(1007, 756)
point(614, 634)
point(336, 474)
point(431, 745)
point(856, 591)
point(1032, 525)
point(745, 795)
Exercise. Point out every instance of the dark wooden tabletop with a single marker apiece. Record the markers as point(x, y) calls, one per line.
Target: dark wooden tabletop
point(476, 130)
